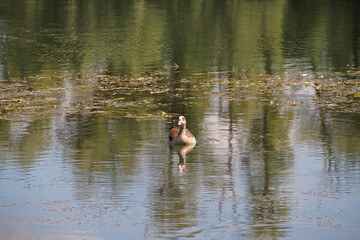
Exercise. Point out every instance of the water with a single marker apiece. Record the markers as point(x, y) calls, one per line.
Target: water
point(43, 37)
point(257, 171)
point(89, 91)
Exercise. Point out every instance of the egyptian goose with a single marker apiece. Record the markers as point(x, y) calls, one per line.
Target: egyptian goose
point(179, 134)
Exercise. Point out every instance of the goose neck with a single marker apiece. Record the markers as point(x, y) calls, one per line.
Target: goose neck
point(182, 127)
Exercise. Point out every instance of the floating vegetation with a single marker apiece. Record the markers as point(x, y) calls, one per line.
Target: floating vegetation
point(339, 91)
point(151, 95)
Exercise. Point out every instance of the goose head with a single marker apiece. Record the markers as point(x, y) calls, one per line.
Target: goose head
point(182, 121)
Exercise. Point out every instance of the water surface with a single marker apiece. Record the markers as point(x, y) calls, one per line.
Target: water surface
point(89, 90)
point(257, 171)
point(40, 37)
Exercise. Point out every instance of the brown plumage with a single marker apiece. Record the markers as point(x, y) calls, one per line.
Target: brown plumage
point(173, 132)
point(180, 134)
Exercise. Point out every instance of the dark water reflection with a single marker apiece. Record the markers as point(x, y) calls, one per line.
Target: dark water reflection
point(43, 37)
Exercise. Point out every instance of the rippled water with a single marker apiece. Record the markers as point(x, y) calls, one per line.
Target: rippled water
point(257, 171)
point(47, 36)
point(84, 150)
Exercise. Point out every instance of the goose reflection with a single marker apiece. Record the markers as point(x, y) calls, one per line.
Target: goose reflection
point(182, 150)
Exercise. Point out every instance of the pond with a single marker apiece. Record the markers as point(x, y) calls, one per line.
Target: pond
point(89, 91)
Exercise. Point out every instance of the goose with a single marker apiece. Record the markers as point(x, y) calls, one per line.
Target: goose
point(179, 134)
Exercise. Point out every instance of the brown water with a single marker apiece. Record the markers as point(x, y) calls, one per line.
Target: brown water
point(83, 133)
